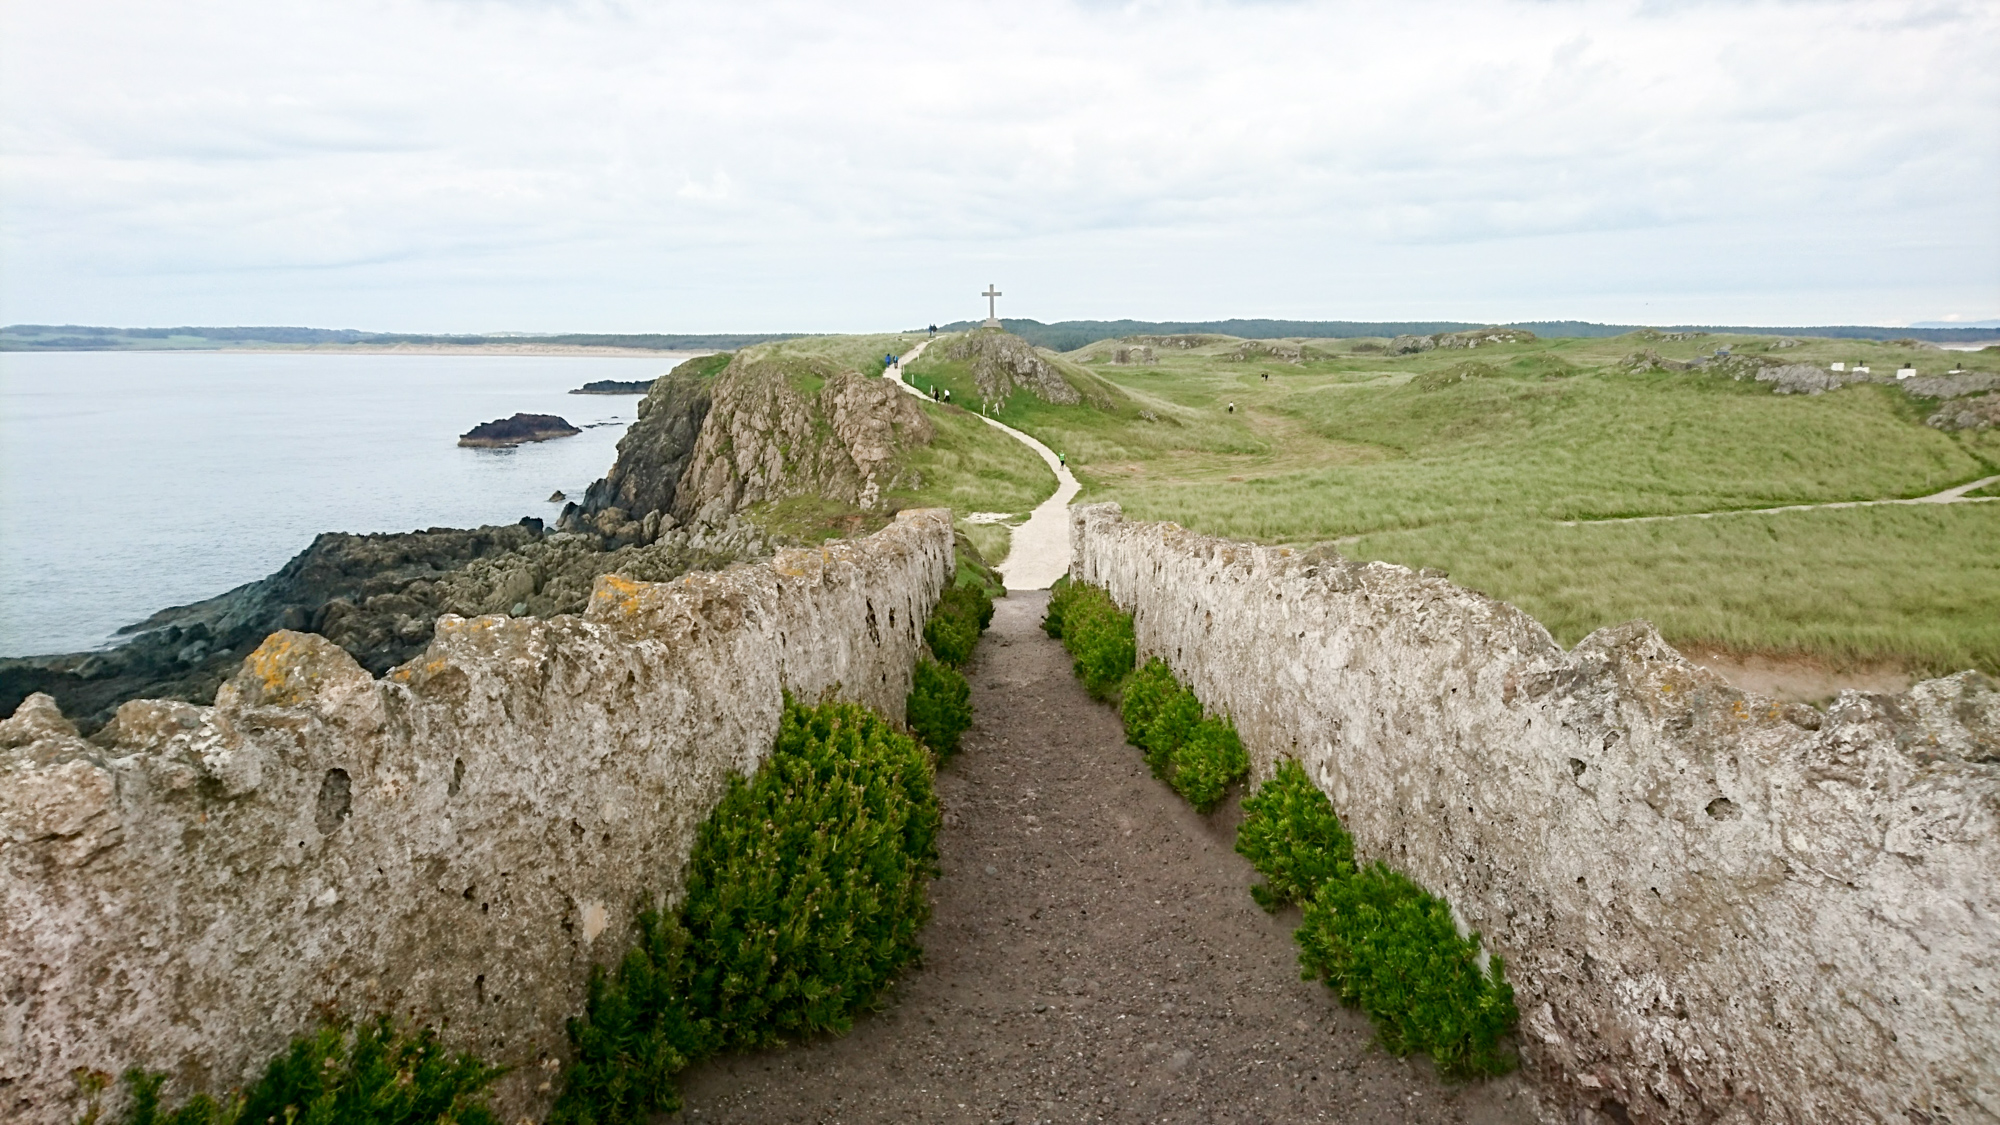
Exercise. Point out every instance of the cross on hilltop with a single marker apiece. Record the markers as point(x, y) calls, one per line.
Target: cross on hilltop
point(992, 318)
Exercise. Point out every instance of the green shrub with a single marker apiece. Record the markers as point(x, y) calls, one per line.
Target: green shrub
point(1207, 762)
point(1148, 688)
point(1389, 947)
point(951, 638)
point(1292, 836)
point(374, 1074)
point(939, 708)
point(1172, 723)
point(1061, 593)
point(806, 891)
point(970, 600)
point(1099, 638)
point(962, 613)
point(1382, 942)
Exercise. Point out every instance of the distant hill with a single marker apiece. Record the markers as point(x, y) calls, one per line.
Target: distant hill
point(1067, 335)
point(77, 337)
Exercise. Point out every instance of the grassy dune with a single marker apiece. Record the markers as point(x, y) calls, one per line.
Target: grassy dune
point(1847, 585)
point(1468, 459)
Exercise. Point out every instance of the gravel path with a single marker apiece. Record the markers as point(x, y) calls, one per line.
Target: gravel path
point(1094, 956)
point(1038, 551)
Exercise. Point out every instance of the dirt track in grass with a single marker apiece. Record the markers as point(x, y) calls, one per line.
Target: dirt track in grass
point(1094, 955)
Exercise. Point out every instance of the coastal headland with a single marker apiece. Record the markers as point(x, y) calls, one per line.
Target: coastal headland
point(1394, 559)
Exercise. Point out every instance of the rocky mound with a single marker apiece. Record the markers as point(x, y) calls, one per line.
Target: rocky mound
point(615, 387)
point(1950, 386)
point(1003, 363)
point(1474, 338)
point(513, 431)
point(770, 437)
point(1459, 372)
point(721, 433)
point(1980, 413)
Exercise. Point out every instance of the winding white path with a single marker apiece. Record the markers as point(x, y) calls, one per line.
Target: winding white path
point(1038, 552)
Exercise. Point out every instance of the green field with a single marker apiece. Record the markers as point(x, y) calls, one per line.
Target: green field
point(1469, 460)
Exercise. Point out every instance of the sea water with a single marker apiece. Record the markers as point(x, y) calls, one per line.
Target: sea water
point(134, 481)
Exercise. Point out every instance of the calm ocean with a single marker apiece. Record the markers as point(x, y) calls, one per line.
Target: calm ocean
point(132, 481)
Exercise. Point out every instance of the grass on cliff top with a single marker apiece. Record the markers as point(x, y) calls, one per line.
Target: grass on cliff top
point(1465, 460)
point(1839, 584)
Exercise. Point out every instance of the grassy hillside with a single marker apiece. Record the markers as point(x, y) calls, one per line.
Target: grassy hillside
point(969, 467)
point(1469, 459)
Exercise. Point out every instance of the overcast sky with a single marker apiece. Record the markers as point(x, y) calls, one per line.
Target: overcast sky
point(482, 165)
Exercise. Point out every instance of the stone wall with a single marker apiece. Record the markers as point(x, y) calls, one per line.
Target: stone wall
point(456, 843)
point(1713, 906)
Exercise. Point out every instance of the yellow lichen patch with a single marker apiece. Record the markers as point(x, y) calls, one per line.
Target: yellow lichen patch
point(283, 670)
point(615, 594)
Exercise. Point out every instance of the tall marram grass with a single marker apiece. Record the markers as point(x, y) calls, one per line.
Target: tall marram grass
point(1918, 584)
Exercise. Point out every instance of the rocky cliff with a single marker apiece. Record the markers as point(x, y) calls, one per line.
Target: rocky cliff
point(1002, 363)
point(653, 453)
point(788, 426)
point(1714, 907)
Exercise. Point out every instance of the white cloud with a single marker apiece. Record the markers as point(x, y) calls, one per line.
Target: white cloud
point(431, 165)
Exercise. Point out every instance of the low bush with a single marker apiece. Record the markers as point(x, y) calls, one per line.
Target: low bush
point(1292, 836)
point(962, 613)
point(1097, 635)
point(1380, 941)
point(373, 1074)
point(939, 707)
point(806, 890)
point(1389, 947)
point(1144, 693)
point(1173, 722)
point(1199, 757)
point(1207, 762)
point(1061, 593)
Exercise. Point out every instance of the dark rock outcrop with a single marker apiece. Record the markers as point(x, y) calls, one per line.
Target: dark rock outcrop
point(1002, 363)
point(615, 387)
point(516, 430)
point(377, 596)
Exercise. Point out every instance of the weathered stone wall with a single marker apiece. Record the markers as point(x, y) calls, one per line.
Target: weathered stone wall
point(456, 843)
point(1713, 907)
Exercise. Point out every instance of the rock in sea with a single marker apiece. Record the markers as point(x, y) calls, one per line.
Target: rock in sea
point(557, 497)
point(615, 387)
point(518, 429)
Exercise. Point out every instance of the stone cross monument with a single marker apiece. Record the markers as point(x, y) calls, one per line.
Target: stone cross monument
point(992, 320)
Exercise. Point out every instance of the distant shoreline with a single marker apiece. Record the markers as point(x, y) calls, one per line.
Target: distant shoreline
point(400, 349)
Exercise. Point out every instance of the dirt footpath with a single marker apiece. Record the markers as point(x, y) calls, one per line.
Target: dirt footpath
point(1094, 956)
